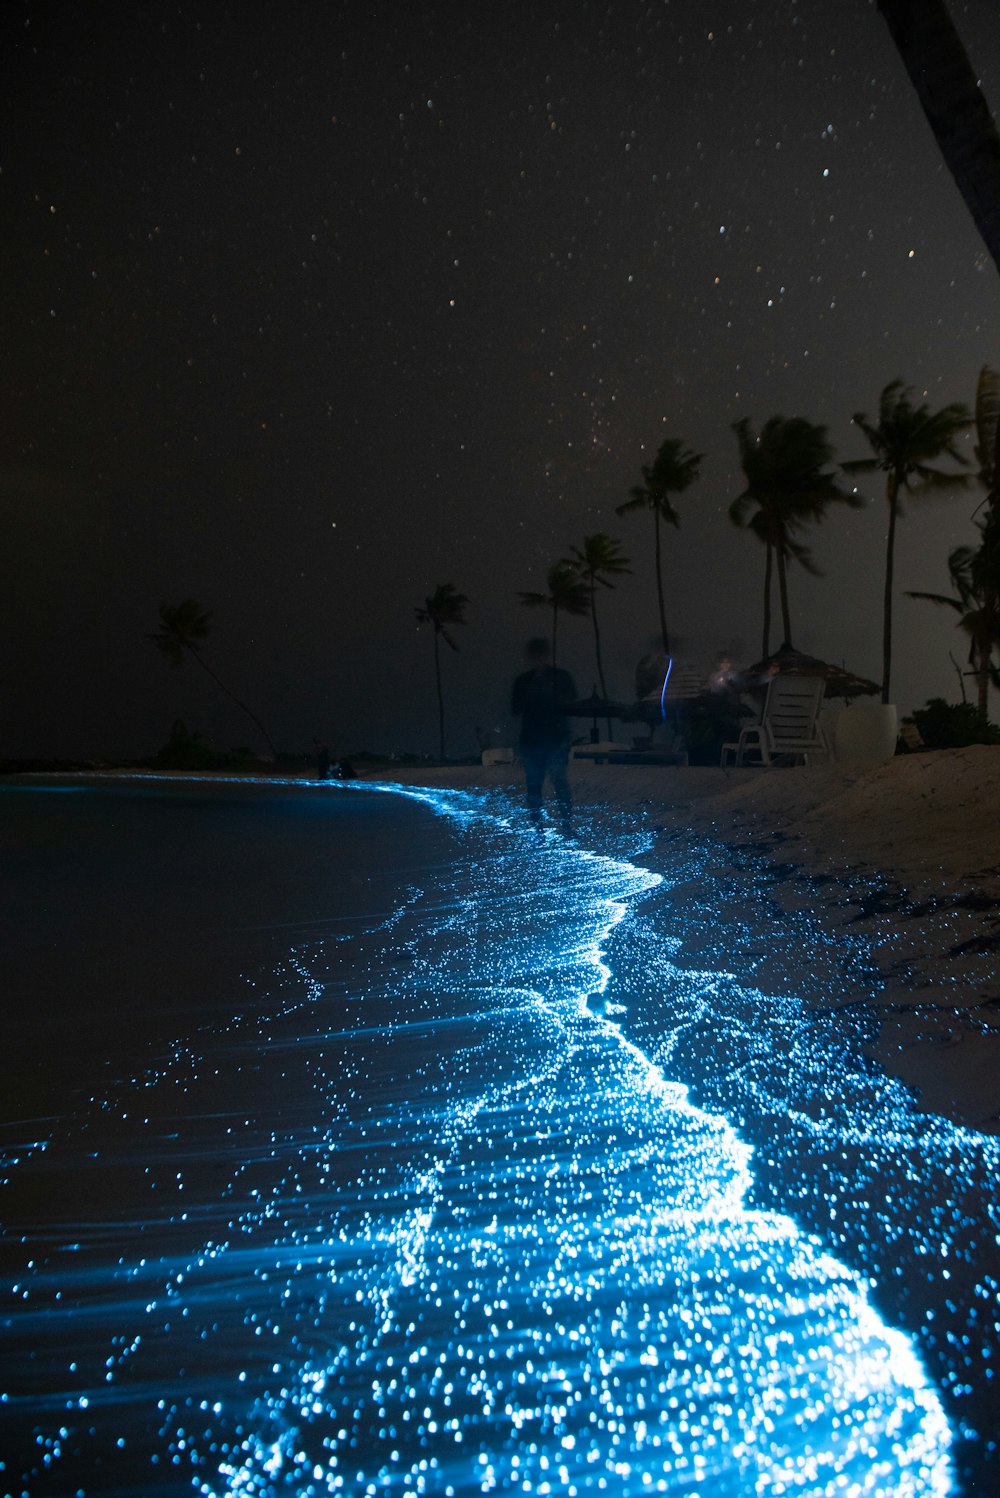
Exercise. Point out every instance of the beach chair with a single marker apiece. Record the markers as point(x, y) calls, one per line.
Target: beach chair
point(497, 757)
point(789, 724)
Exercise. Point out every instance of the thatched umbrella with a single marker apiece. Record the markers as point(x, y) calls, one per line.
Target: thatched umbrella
point(594, 707)
point(790, 662)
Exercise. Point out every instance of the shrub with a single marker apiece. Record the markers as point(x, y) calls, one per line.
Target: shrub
point(952, 725)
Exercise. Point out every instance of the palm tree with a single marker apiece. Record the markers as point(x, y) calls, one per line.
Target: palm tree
point(906, 440)
point(788, 487)
point(988, 436)
point(445, 607)
point(673, 470)
point(183, 626)
point(597, 561)
point(567, 592)
point(954, 105)
point(975, 576)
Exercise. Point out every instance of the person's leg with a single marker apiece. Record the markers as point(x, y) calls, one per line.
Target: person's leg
point(533, 761)
point(558, 762)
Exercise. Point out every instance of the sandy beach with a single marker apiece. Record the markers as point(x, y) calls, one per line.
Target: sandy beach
point(903, 857)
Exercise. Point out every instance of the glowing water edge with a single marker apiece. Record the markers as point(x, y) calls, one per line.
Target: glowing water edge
point(422, 1216)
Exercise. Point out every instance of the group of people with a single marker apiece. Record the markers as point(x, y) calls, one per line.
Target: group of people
point(543, 692)
point(540, 697)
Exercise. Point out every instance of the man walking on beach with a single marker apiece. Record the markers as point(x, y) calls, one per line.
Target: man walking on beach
point(537, 697)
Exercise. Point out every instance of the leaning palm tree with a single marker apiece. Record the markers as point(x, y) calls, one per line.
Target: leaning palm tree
point(183, 626)
point(975, 577)
point(788, 487)
point(567, 593)
point(444, 608)
point(672, 471)
point(597, 561)
point(954, 105)
point(906, 440)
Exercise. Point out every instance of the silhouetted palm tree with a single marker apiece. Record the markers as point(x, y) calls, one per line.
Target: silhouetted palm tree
point(673, 470)
point(954, 105)
point(597, 561)
point(988, 441)
point(444, 608)
point(567, 593)
point(788, 488)
point(906, 440)
point(183, 626)
point(975, 576)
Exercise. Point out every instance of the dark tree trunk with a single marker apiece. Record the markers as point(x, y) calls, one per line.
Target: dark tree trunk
point(597, 648)
point(659, 582)
point(786, 622)
point(890, 547)
point(945, 83)
point(440, 694)
point(768, 569)
point(233, 697)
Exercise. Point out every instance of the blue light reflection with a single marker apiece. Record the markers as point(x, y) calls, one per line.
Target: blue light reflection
point(432, 1222)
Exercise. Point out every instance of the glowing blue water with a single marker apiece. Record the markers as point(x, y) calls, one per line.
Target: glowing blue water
point(429, 1217)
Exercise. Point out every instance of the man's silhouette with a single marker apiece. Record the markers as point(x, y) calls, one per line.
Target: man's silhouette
point(537, 697)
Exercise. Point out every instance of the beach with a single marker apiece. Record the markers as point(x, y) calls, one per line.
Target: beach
point(381, 1142)
point(902, 856)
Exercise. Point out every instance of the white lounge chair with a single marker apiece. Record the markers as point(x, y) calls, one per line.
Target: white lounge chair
point(789, 724)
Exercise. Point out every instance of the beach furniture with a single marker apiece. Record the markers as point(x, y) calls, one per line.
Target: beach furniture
point(789, 724)
point(618, 754)
point(595, 751)
point(497, 757)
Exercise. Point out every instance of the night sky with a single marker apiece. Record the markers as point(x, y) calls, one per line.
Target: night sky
point(308, 308)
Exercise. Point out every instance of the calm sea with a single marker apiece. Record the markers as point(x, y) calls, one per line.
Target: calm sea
point(347, 1151)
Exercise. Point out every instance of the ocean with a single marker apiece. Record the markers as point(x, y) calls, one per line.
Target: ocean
point(366, 1141)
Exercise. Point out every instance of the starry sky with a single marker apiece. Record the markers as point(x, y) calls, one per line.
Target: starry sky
point(310, 308)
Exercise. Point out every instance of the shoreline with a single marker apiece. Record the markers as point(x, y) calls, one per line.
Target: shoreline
point(899, 862)
point(902, 860)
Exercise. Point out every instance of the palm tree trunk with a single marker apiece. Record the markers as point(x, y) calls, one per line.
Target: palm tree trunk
point(892, 494)
point(659, 581)
point(233, 697)
point(982, 649)
point(597, 649)
point(768, 570)
point(555, 628)
point(440, 694)
point(786, 622)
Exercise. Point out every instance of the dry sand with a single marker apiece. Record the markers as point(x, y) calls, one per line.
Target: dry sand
point(904, 857)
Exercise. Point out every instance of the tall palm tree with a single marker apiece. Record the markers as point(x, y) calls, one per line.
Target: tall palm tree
point(444, 608)
point(787, 488)
point(906, 440)
point(954, 105)
point(183, 626)
point(567, 592)
point(597, 561)
point(673, 470)
point(988, 436)
point(975, 576)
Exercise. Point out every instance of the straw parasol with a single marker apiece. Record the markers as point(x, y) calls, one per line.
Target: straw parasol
point(791, 662)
